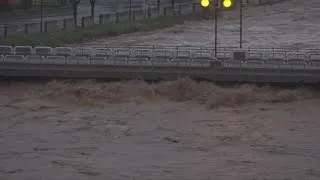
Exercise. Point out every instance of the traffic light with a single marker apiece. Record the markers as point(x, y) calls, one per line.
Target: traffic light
point(205, 3)
point(227, 4)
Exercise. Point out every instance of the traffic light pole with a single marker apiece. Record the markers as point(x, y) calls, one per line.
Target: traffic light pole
point(215, 27)
point(240, 23)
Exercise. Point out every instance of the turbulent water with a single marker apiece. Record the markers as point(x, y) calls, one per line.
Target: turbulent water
point(182, 90)
point(180, 129)
point(183, 129)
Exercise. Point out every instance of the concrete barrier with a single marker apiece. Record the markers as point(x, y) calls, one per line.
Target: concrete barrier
point(68, 23)
point(87, 21)
point(139, 14)
point(122, 16)
point(168, 11)
point(105, 18)
point(31, 28)
point(12, 30)
point(154, 12)
point(51, 26)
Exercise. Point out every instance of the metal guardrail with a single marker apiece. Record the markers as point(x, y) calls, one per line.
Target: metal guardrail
point(171, 51)
point(117, 63)
point(156, 56)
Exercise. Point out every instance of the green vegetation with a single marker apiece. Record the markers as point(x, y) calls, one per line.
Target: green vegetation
point(97, 31)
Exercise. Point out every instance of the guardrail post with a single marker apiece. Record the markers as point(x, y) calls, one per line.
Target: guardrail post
point(149, 12)
point(5, 31)
point(117, 17)
point(26, 28)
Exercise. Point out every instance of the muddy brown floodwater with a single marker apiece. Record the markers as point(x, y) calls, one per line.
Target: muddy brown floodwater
point(66, 130)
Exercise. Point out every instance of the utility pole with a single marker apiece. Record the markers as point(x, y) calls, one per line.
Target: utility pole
point(215, 27)
point(241, 23)
point(41, 16)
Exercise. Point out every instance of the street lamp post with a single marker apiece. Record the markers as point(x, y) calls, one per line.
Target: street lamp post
point(215, 27)
point(41, 16)
point(240, 23)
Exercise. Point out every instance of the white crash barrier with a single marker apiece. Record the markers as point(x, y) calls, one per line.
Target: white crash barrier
point(314, 57)
point(4, 50)
point(138, 61)
point(23, 50)
point(276, 56)
point(63, 51)
point(34, 59)
point(254, 56)
point(43, 51)
point(14, 58)
point(157, 57)
point(56, 59)
point(142, 53)
point(183, 62)
point(224, 55)
point(200, 62)
point(159, 61)
point(296, 56)
point(97, 60)
point(205, 55)
point(82, 51)
point(181, 54)
point(166, 54)
point(103, 52)
point(123, 53)
point(254, 63)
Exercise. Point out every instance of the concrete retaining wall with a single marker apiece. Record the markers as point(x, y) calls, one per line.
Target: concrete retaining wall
point(87, 21)
point(139, 14)
point(10, 31)
point(68, 24)
point(51, 26)
point(31, 28)
point(105, 18)
point(122, 16)
point(168, 11)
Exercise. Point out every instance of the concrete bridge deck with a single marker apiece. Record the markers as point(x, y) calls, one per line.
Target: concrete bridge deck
point(151, 64)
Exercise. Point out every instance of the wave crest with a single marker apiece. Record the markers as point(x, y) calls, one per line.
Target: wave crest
point(93, 93)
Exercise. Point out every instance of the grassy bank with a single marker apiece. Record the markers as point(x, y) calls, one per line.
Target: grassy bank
point(97, 31)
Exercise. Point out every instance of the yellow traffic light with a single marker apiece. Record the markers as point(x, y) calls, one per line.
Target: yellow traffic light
point(205, 3)
point(227, 3)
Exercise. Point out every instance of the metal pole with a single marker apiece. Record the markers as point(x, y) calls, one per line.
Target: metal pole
point(240, 23)
point(158, 4)
point(130, 9)
point(215, 27)
point(41, 18)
